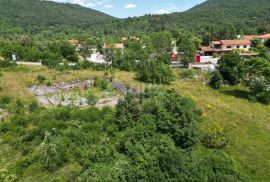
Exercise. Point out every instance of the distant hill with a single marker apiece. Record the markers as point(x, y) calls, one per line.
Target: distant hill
point(243, 15)
point(36, 13)
point(213, 17)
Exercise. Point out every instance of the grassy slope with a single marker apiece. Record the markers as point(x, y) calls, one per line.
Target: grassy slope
point(248, 123)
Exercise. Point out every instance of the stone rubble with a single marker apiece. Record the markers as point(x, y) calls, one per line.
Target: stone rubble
point(124, 88)
point(71, 99)
point(40, 90)
point(53, 95)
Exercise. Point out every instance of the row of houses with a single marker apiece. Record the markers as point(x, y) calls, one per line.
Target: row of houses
point(218, 47)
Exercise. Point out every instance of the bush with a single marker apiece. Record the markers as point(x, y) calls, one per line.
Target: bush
point(33, 106)
point(4, 101)
point(41, 79)
point(216, 55)
point(216, 80)
point(179, 120)
point(155, 72)
point(187, 74)
point(91, 98)
point(257, 79)
point(50, 153)
point(267, 43)
point(7, 64)
point(50, 63)
point(101, 83)
point(231, 68)
point(263, 97)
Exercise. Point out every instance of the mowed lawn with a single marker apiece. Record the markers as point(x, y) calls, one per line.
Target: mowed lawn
point(248, 123)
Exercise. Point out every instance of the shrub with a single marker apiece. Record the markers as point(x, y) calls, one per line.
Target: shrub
point(4, 101)
point(41, 79)
point(216, 80)
point(7, 64)
point(33, 106)
point(155, 72)
point(215, 55)
point(257, 79)
point(263, 97)
point(50, 63)
point(179, 120)
point(50, 154)
point(101, 83)
point(187, 74)
point(19, 106)
point(231, 68)
point(91, 98)
point(267, 43)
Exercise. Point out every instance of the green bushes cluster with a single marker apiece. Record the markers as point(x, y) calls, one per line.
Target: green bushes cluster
point(149, 137)
point(187, 74)
point(7, 64)
point(101, 83)
point(155, 72)
point(254, 73)
point(216, 80)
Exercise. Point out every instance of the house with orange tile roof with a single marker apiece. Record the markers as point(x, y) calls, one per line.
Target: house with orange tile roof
point(262, 38)
point(115, 46)
point(130, 38)
point(224, 46)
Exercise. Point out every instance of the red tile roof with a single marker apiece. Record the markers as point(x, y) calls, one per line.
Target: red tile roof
point(216, 42)
point(236, 42)
point(207, 49)
point(116, 46)
point(265, 36)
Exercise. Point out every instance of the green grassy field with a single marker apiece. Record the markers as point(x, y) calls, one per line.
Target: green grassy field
point(247, 123)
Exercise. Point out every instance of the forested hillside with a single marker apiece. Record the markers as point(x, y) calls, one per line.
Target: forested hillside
point(211, 19)
point(34, 16)
point(216, 16)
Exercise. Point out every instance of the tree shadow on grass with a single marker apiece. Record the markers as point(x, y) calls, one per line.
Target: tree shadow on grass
point(238, 93)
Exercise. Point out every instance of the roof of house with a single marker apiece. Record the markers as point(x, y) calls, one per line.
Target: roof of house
point(131, 38)
point(265, 36)
point(236, 42)
point(207, 49)
point(216, 42)
point(116, 46)
point(73, 41)
point(249, 37)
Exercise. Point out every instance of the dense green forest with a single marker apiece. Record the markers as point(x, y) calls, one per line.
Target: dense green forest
point(35, 16)
point(211, 19)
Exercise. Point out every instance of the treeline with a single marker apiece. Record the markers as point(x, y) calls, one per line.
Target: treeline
point(26, 49)
point(213, 19)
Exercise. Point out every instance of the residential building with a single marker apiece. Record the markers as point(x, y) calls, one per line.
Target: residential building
point(262, 38)
point(224, 46)
point(114, 46)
